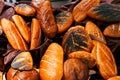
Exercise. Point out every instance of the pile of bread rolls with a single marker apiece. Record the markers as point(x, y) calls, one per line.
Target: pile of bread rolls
point(79, 49)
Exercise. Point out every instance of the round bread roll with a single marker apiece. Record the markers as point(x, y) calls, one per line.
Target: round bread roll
point(14, 74)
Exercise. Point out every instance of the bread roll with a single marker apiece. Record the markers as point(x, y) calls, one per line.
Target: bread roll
point(64, 20)
point(35, 34)
point(14, 74)
point(22, 27)
point(75, 69)
point(76, 39)
point(106, 63)
point(51, 64)
point(85, 57)
point(94, 31)
point(46, 18)
point(80, 10)
point(112, 30)
point(24, 9)
point(21, 62)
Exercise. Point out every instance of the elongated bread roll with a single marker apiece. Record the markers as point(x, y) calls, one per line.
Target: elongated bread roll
point(35, 34)
point(22, 27)
point(51, 64)
point(46, 18)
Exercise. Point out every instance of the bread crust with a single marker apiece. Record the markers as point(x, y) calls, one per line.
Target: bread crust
point(13, 35)
point(35, 34)
point(14, 74)
point(25, 10)
point(46, 19)
point(64, 20)
point(51, 64)
point(22, 27)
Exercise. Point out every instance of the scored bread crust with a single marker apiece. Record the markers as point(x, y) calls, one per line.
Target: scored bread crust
point(35, 34)
point(13, 35)
point(46, 18)
point(22, 27)
point(84, 56)
point(64, 20)
point(51, 64)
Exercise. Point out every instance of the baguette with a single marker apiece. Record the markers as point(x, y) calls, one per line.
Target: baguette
point(51, 64)
point(35, 34)
point(22, 27)
point(13, 35)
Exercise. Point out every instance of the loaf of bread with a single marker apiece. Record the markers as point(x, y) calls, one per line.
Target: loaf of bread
point(51, 64)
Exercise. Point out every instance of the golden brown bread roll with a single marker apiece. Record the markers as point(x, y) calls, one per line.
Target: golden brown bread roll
point(51, 64)
point(85, 57)
point(74, 69)
point(80, 10)
point(112, 30)
point(24, 9)
point(35, 34)
point(105, 60)
point(14, 74)
point(22, 27)
point(21, 62)
point(46, 18)
point(94, 31)
point(64, 20)
point(13, 35)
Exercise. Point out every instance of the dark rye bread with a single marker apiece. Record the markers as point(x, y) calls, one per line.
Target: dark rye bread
point(76, 39)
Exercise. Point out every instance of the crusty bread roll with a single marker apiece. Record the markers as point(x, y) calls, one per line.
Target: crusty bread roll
point(94, 31)
point(80, 10)
point(106, 63)
point(85, 57)
point(112, 30)
point(24, 9)
point(14, 74)
point(22, 27)
point(76, 39)
point(75, 69)
point(64, 20)
point(46, 18)
point(51, 64)
point(35, 34)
